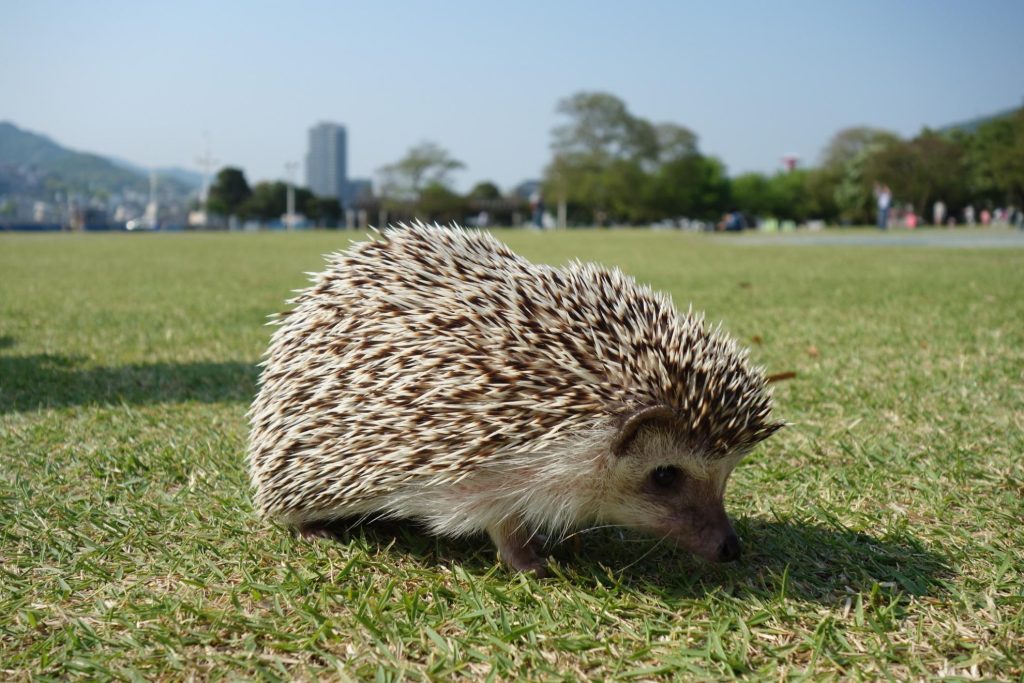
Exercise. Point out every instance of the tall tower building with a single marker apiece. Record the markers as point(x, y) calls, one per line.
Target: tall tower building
point(327, 161)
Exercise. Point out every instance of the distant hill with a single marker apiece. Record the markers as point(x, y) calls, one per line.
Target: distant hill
point(34, 165)
point(192, 179)
point(972, 125)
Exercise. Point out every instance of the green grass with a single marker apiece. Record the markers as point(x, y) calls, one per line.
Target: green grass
point(883, 528)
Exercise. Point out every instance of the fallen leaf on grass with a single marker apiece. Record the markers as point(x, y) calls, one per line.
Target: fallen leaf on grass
point(781, 376)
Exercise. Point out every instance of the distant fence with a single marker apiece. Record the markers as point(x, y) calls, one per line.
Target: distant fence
point(30, 227)
point(89, 227)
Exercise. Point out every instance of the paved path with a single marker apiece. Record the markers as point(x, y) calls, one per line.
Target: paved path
point(979, 238)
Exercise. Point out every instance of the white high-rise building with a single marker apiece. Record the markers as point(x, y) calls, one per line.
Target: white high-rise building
point(327, 161)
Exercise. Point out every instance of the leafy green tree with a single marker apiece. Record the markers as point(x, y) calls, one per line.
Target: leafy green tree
point(679, 183)
point(844, 159)
point(996, 159)
point(787, 195)
point(819, 185)
point(601, 128)
point(714, 191)
point(782, 195)
point(438, 203)
point(269, 201)
point(485, 190)
point(228, 192)
point(674, 142)
point(798, 195)
point(325, 211)
point(694, 186)
point(752, 195)
point(850, 143)
point(601, 156)
point(930, 166)
point(423, 165)
point(625, 185)
point(621, 167)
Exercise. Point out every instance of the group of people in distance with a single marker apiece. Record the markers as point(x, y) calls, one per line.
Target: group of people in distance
point(889, 216)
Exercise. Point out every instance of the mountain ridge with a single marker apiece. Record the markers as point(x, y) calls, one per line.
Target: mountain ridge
point(35, 165)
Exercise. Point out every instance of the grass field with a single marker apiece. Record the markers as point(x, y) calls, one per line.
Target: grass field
point(883, 528)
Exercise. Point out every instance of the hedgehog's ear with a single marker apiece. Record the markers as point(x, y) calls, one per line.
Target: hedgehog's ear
point(634, 421)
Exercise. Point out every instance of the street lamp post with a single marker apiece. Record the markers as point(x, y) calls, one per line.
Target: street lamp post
point(291, 166)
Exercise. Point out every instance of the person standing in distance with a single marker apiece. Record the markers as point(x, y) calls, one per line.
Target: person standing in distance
point(883, 195)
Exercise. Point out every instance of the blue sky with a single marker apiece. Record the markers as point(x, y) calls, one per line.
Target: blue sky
point(755, 80)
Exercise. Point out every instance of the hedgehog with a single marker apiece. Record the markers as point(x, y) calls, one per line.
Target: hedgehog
point(432, 375)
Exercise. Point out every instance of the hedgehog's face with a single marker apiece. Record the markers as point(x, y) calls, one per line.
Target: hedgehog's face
point(660, 485)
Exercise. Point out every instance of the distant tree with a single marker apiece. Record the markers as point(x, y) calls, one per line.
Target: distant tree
point(819, 184)
point(438, 203)
point(798, 195)
point(423, 165)
point(843, 162)
point(849, 143)
point(714, 191)
point(603, 156)
point(996, 159)
point(228, 192)
point(678, 180)
point(693, 186)
point(621, 167)
point(752, 195)
point(626, 187)
point(269, 201)
point(788, 195)
point(674, 142)
point(601, 128)
point(484, 190)
point(931, 166)
point(326, 211)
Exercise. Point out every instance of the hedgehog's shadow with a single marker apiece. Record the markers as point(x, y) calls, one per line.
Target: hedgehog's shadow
point(42, 381)
point(800, 560)
point(473, 553)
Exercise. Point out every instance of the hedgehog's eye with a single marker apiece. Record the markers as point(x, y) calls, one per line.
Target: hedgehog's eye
point(665, 478)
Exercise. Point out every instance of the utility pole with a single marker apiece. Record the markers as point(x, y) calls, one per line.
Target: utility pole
point(290, 167)
point(207, 163)
point(153, 207)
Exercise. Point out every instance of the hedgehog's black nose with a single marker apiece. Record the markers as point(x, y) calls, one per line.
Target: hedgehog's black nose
point(730, 549)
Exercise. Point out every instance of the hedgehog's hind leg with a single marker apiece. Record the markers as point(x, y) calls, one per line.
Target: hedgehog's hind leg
point(518, 547)
point(311, 531)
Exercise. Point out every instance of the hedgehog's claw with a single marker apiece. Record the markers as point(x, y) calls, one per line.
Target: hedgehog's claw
point(518, 548)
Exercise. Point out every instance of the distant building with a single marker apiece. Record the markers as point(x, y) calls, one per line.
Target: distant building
point(358, 190)
point(526, 189)
point(327, 161)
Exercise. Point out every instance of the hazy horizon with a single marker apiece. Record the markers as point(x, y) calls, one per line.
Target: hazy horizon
point(144, 83)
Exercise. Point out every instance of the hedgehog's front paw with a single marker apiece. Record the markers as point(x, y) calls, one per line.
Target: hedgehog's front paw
point(519, 548)
point(529, 561)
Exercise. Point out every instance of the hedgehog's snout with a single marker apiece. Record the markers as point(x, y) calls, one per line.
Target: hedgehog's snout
point(713, 539)
point(730, 549)
point(705, 530)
